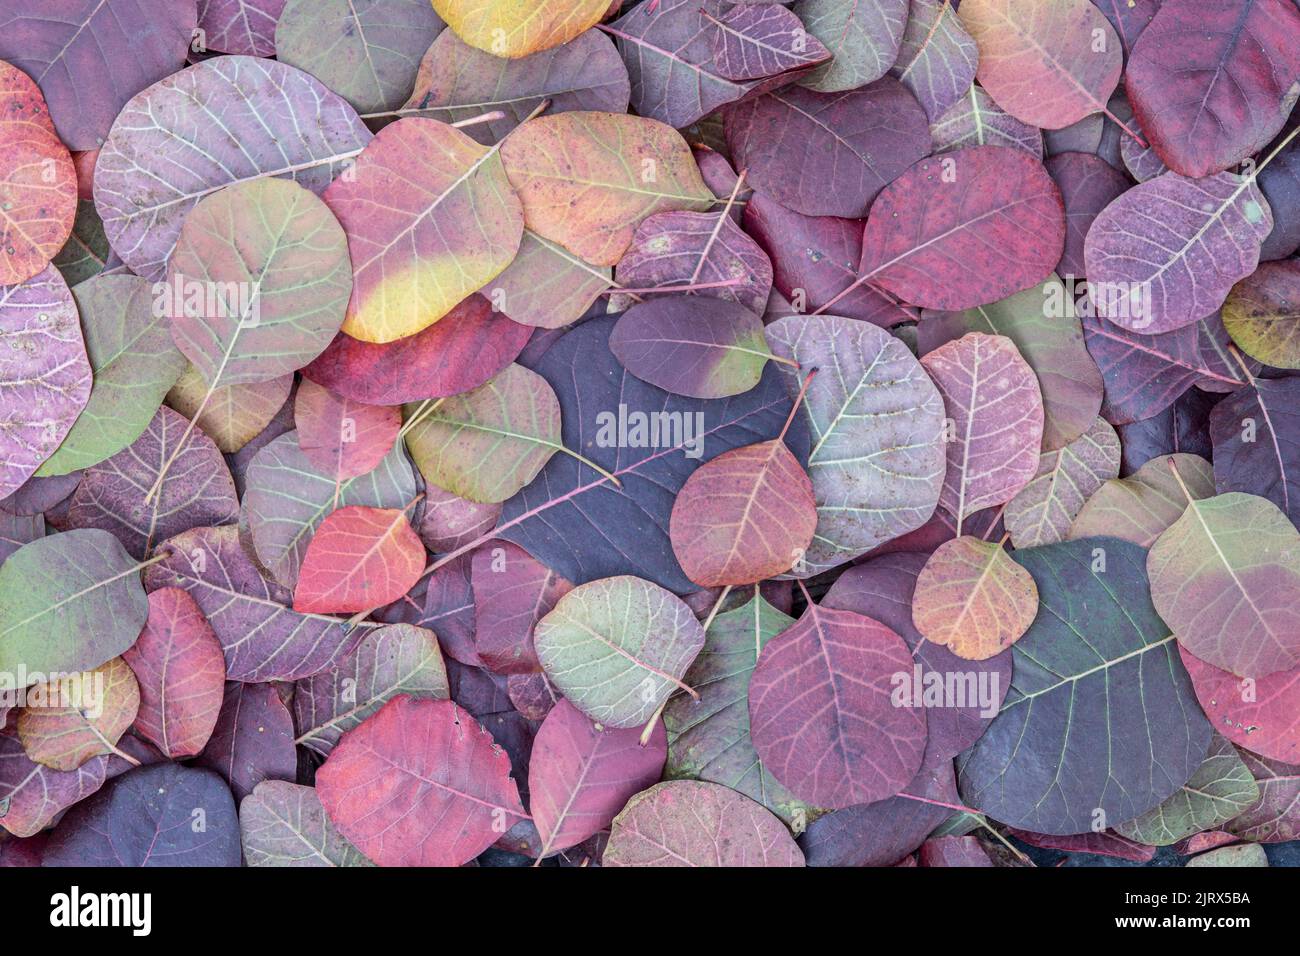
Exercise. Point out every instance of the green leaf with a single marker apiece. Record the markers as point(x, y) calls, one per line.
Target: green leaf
point(69, 602)
point(708, 739)
point(1219, 790)
point(617, 647)
point(135, 362)
point(284, 824)
point(486, 444)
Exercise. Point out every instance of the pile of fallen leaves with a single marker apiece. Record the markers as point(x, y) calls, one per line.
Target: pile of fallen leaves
point(676, 432)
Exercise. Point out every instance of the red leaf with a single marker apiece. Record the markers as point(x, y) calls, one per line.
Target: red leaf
point(359, 559)
point(343, 437)
point(37, 180)
point(747, 515)
point(179, 664)
point(581, 775)
point(420, 783)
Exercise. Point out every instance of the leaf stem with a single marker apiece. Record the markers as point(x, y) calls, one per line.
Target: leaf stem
point(994, 523)
point(717, 227)
point(798, 400)
point(1137, 137)
point(682, 287)
point(1250, 378)
point(717, 605)
point(1173, 466)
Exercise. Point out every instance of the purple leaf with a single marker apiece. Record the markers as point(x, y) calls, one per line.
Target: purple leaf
point(1256, 438)
point(821, 715)
point(1145, 374)
point(90, 59)
point(45, 374)
point(937, 58)
point(581, 775)
point(512, 592)
point(253, 738)
point(1088, 185)
point(277, 121)
point(828, 154)
point(1169, 250)
point(683, 248)
point(574, 521)
point(401, 659)
point(198, 491)
point(148, 818)
point(881, 589)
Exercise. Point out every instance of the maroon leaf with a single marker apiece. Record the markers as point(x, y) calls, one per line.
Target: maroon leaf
point(581, 775)
point(512, 592)
point(821, 716)
point(978, 225)
point(459, 352)
point(1105, 843)
point(181, 671)
point(815, 261)
point(1207, 98)
point(253, 738)
point(954, 851)
point(828, 154)
point(533, 695)
point(420, 783)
